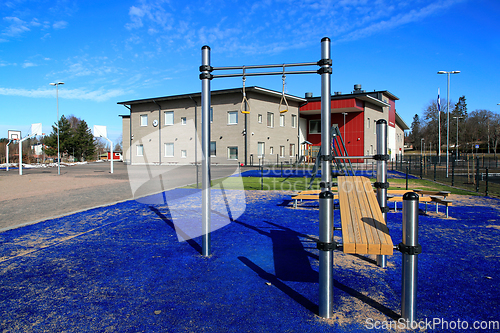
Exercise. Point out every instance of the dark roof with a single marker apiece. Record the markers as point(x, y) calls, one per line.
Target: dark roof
point(214, 92)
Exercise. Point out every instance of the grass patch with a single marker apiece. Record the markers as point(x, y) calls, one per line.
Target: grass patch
point(301, 184)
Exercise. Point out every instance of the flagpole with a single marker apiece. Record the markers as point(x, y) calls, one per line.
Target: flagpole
point(439, 128)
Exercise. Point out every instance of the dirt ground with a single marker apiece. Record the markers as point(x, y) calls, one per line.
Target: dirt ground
point(40, 194)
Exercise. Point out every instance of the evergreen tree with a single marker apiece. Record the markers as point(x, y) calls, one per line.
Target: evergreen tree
point(66, 134)
point(415, 132)
point(84, 141)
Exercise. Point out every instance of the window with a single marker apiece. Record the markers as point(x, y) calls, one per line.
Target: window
point(232, 153)
point(232, 117)
point(374, 127)
point(261, 148)
point(211, 115)
point(169, 117)
point(270, 119)
point(213, 148)
point(271, 150)
point(259, 118)
point(314, 126)
point(282, 151)
point(169, 149)
point(183, 121)
point(140, 150)
point(282, 120)
point(184, 153)
point(144, 120)
point(368, 123)
point(294, 121)
point(292, 150)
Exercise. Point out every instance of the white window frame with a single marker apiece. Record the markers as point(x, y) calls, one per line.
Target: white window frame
point(261, 149)
point(229, 154)
point(282, 120)
point(259, 118)
point(271, 151)
point(183, 120)
point(368, 123)
point(294, 121)
point(319, 128)
point(167, 122)
point(144, 120)
point(140, 149)
point(166, 150)
point(282, 151)
point(183, 153)
point(229, 113)
point(270, 120)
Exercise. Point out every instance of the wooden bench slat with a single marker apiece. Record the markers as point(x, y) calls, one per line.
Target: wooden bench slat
point(363, 227)
point(348, 238)
point(386, 245)
point(367, 217)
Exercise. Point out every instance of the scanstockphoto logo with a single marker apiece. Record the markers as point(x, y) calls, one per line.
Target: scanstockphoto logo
point(165, 161)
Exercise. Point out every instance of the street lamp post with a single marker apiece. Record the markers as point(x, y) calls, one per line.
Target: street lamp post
point(345, 114)
point(57, 101)
point(456, 147)
point(448, 119)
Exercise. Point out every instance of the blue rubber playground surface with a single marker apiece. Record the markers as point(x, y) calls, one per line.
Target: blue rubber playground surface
point(122, 268)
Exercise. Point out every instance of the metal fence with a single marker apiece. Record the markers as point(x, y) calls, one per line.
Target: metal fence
point(475, 173)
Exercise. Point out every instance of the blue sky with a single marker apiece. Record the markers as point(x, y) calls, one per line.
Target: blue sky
point(112, 51)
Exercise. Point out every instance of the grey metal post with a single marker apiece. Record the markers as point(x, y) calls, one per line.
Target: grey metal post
point(381, 130)
point(205, 77)
point(410, 249)
point(325, 244)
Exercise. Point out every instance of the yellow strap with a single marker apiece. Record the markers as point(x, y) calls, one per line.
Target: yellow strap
point(283, 97)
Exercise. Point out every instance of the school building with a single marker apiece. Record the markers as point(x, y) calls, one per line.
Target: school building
point(167, 130)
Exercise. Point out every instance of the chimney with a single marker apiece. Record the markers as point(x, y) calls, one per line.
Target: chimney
point(309, 94)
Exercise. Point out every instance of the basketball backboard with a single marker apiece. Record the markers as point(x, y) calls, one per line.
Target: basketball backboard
point(36, 129)
point(14, 135)
point(100, 131)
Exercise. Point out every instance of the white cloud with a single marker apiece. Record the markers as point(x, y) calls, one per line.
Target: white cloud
point(99, 95)
point(16, 27)
point(29, 64)
point(60, 25)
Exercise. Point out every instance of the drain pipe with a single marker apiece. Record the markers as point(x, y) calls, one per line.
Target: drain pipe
point(195, 137)
point(159, 131)
point(130, 133)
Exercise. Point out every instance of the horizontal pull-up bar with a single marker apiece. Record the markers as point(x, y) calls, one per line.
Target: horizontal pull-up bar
point(263, 73)
point(265, 66)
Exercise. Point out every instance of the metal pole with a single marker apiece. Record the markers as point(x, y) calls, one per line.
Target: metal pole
point(112, 155)
point(7, 155)
point(486, 192)
point(406, 177)
point(410, 249)
point(477, 174)
point(205, 77)
point(58, 154)
point(20, 157)
point(382, 183)
point(453, 172)
point(325, 244)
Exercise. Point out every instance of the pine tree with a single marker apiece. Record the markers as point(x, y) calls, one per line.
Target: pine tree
point(66, 134)
point(84, 141)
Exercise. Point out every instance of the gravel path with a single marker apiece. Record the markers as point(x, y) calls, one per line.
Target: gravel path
point(40, 194)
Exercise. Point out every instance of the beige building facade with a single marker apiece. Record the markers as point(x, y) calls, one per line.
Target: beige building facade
point(167, 130)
